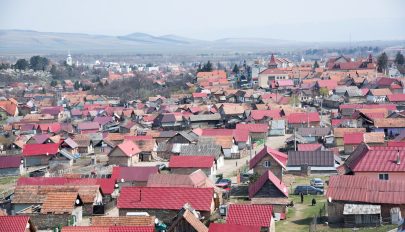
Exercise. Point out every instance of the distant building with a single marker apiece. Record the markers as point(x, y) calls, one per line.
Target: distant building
point(69, 60)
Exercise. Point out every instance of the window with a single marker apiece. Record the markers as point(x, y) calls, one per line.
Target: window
point(383, 176)
point(267, 164)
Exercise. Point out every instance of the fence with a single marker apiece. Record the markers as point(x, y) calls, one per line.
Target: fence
point(318, 218)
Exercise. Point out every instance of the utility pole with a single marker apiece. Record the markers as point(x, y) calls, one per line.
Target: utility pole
point(295, 140)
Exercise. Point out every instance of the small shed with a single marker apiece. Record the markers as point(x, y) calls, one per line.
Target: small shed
point(361, 215)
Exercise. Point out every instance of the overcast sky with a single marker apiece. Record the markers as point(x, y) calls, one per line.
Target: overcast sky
point(301, 20)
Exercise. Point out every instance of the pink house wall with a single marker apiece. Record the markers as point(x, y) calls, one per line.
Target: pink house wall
point(391, 175)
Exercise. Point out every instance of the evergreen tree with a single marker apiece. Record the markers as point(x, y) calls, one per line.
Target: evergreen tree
point(54, 83)
point(382, 62)
point(316, 65)
point(399, 59)
point(235, 69)
point(21, 64)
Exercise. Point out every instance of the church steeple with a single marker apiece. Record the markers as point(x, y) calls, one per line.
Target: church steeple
point(272, 63)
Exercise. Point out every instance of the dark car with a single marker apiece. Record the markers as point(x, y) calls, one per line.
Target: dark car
point(224, 184)
point(307, 190)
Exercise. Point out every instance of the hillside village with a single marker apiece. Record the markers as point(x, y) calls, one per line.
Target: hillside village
point(267, 144)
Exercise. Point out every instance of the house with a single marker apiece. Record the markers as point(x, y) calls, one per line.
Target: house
point(333, 101)
point(269, 190)
point(186, 220)
point(16, 224)
point(398, 99)
point(8, 107)
point(88, 127)
point(39, 154)
point(264, 116)
point(352, 140)
point(150, 200)
point(219, 227)
point(378, 162)
point(297, 120)
point(133, 176)
point(270, 75)
point(252, 215)
point(124, 154)
point(189, 164)
point(204, 120)
point(204, 149)
point(340, 132)
point(199, 97)
point(390, 126)
point(11, 165)
point(378, 95)
point(269, 159)
point(197, 179)
point(147, 144)
point(256, 131)
point(314, 134)
point(277, 127)
point(128, 127)
point(311, 162)
point(370, 200)
point(48, 206)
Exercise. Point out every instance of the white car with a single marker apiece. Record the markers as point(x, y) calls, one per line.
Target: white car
point(317, 182)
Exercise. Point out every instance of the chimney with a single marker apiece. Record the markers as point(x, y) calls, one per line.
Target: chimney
point(398, 161)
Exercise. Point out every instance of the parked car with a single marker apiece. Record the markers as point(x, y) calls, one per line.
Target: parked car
point(307, 190)
point(224, 184)
point(317, 182)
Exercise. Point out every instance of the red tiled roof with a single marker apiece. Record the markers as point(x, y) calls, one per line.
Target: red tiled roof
point(40, 149)
point(260, 114)
point(217, 132)
point(267, 176)
point(13, 223)
point(88, 126)
point(396, 97)
point(108, 229)
point(273, 71)
point(171, 198)
point(303, 117)
point(241, 135)
point(129, 148)
point(197, 95)
point(10, 161)
point(329, 84)
point(396, 144)
point(365, 189)
point(353, 138)
point(133, 173)
point(217, 227)
point(383, 159)
point(280, 157)
point(191, 161)
point(255, 128)
point(309, 147)
point(250, 215)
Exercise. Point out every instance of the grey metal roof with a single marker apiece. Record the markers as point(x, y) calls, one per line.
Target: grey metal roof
point(311, 158)
point(314, 131)
point(202, 149)
point(205, 117)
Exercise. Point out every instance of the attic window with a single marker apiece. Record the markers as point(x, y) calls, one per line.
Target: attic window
point(267, 164)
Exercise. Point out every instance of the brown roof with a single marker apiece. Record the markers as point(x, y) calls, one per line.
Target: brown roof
point(339, 132)
point(374, 137)
point(59, 202)
point(380, 92)
point(389, 122)
point(123, 221)
point(36, 194)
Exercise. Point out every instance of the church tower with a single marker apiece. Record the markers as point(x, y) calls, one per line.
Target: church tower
point(69, 60)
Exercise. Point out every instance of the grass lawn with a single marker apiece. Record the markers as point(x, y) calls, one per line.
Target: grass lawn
point(299, 217)
point(6, 182)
